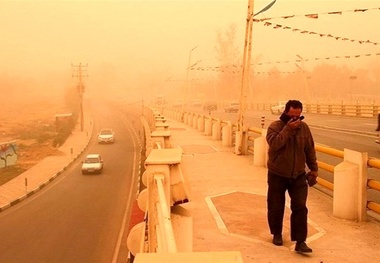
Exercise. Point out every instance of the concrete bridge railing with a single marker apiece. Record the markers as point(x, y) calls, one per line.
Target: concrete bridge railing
point(165, 234)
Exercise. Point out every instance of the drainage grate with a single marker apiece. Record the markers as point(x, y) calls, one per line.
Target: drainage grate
point(176, 128)
point(197, 149)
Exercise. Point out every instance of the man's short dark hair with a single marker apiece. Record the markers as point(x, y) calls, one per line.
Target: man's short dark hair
point(295, 104)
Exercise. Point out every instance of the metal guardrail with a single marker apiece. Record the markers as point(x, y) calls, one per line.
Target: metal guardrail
point(371, 163)
point(254, 132)
point(357, 110)
point(348, 110)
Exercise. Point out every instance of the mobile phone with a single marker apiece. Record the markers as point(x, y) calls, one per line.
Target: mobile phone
point(286, 118)
point(298, 118)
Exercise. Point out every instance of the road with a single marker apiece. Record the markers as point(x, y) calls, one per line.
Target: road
point(77, 218)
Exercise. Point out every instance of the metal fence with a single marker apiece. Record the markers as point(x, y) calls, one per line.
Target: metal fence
point(357, 110)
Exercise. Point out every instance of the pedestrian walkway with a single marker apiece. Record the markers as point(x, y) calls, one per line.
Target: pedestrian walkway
point(228, 202)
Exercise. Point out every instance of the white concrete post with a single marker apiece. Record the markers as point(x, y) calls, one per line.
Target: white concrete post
point(208, 126)
point(260, 150)
point(350, 183)
point(195, 121)
point(201, 123)
point(193, 117)
point(185, 116)
point(227, 135)
point(216, 130)
point(180, 116)
point(238, 142)
point(189, 119)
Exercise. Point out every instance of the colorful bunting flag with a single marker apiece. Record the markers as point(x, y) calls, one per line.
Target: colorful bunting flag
point(314, 16)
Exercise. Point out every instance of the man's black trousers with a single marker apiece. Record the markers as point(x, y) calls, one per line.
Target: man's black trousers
point(298, 190)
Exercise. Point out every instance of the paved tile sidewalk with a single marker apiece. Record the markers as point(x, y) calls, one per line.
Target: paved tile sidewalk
point(228, 203)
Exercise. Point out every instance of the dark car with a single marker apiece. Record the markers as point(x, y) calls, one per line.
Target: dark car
point(210, 106)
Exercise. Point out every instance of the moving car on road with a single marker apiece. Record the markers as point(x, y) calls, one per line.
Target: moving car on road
point(210, 106)
point(278, 107)
point(93, 163)
point(234, 107)
point(106, 136)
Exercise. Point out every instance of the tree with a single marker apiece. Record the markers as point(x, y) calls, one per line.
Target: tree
point(229, 59)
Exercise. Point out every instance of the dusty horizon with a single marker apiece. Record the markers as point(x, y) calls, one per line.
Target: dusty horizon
point(144, 46)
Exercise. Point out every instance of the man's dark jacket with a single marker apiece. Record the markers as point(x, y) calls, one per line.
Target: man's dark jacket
point(289, 150)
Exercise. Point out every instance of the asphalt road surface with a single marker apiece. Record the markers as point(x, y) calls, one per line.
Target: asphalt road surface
point(77, 218)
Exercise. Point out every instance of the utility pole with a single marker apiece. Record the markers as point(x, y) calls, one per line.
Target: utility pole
point(240, 136)
point(245, 79)
point(80, 88)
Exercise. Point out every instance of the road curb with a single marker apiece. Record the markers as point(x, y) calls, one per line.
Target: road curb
point(53, 177)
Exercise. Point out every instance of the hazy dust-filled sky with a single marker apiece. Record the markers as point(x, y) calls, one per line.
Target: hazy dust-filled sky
point(132, 44)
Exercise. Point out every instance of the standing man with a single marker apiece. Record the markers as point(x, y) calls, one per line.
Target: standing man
point(291, 148)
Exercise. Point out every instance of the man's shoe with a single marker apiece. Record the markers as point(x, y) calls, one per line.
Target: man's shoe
point(302, 248)
point(277, 240)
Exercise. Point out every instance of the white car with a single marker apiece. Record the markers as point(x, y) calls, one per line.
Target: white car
point(234, 107)
point(93, 163)
point(278, 107)
point(106, 136)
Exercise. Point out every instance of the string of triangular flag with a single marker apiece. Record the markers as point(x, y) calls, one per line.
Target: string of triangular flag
point(326, 58)
point(302, 31)
point(317, 15)
point(196, 79)
point(236, 68)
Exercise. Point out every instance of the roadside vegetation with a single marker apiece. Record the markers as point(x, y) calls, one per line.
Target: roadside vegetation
point(31, 124)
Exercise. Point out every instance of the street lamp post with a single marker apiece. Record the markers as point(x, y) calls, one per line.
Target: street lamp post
point(307, 86)
point(186, 86)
